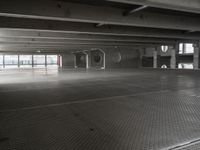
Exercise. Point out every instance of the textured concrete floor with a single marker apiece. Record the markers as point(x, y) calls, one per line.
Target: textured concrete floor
point(99, 110)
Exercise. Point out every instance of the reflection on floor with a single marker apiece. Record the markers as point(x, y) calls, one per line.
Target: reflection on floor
point(99, 110)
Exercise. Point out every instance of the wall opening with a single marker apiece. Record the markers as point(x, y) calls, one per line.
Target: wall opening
point(11, 61)
point(98, 59)
point(29, 61)
point(25, 61)
point(186, 48)
point(81, 60)
point(185, 66)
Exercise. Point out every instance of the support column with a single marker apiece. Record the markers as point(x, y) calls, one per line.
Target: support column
point(89, 59)
point(196, 56)
point(45, 60)
point(155, 59)
point(173, 61)
point(18, 61)
point(4, 61)
point(75, 65)
point(32, 61)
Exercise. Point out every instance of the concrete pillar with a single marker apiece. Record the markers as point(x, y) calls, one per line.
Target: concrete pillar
point(18, 61)
point(4, 61)
point(75, 65)
point(32, 61)
point(89, 58)
point(174, 56)
point(104, 60)
point(155, 59)
point(196, 56)
point(45, 60)
point(173, 59)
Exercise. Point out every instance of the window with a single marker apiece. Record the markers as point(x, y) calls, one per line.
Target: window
point(164, 66)
point(25, 61)
point(11, 61)
point(39, 60)
point(181, 48)
point(164, 48)
point(1, 61)
point(186, 48)
point(185, 65)
point(52, 60)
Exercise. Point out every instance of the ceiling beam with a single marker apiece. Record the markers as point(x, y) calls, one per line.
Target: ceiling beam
point(64, 49)
point(16, 44)
point(129, 12)
point(50, 10)
point(108, 39)
point(192, 6)
point(42, 28)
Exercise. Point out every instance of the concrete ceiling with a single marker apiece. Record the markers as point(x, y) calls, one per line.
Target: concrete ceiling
point(67, 24)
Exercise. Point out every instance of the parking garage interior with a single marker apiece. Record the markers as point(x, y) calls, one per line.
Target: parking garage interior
point(100, 75)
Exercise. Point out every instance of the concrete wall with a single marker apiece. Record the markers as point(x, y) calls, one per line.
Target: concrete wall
point(130, 57)
point(68, 60)
point(163, 58)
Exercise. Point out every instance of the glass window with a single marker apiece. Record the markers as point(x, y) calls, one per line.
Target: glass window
point(186, 48)
point(189, 48)
point(25, 60)
point(181, 48)
point(11, 61)
point(185, 65)
point(52, 59)
point(39, 60)
point(1, 61)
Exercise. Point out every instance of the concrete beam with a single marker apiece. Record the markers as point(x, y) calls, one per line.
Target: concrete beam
point(42, 28)
point(64, 11)
point(130, 40)
point(78, 44)
point(192, 6)
point(24, 48)
point(126, 13)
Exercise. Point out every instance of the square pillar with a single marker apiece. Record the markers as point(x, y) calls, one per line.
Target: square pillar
point(196, 56)
point(18, 61)
point(75, 65)
point(174, 56)
point(4, 61)
point(155, 59)
point(45, 60)
point(32, 61)
point(173, 59)
point(88, 59)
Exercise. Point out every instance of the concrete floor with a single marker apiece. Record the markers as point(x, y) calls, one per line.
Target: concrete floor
point(99, 110)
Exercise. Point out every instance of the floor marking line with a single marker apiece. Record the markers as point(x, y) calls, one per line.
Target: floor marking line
point(80, 101)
